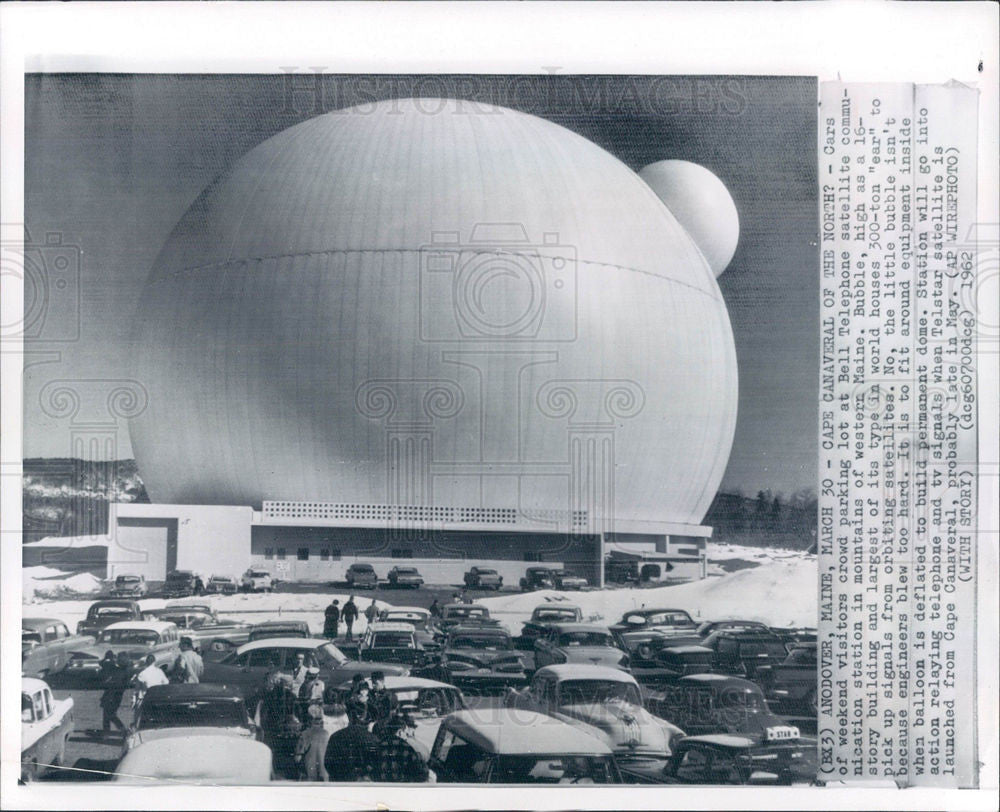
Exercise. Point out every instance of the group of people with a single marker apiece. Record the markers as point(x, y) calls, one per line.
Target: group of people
point(348, 613)
point(119, 673)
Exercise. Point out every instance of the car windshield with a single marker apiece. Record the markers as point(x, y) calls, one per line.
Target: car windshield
point(555, 614)
point(131, 637)
point(329, 655)
point(363, 568)
point(112, 611)
point(392, 640)
point(178, 579)
point(466, 611)
point(739, 698)
point(258, 574)
point(802, 656)
point(406, 571)
point(769, 648)
point(430, 701)
point(200, 713)
point(185, 621)
point(583, 691)
point(585, 639)
point(669, 618)
point(499, 642)
point(557, 769)
point(127, 579)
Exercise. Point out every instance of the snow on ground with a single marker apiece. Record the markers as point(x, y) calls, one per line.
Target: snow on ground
point(723, 551)
point(73, 542)
point(779, 593)
point(47, 582)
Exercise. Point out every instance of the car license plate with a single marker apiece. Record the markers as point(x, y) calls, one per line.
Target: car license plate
point(781, 732)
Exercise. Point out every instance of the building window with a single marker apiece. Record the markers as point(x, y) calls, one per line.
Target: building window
point(402, 553)
point(531, 555)
point(303, 554)
point(324, 554)
point(335, 554)
point(281, 553)
point(269, 552)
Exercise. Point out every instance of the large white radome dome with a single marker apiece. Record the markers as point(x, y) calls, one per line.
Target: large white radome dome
point(482, 281)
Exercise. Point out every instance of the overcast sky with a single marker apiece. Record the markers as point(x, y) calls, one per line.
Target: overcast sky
point(112, 162)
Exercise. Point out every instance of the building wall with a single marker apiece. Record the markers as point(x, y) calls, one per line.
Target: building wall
point(149, 540)
point(442, 557)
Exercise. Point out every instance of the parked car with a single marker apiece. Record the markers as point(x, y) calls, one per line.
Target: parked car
point(129, 586)
point(361, 576)
point(505, 746)
point(605, 703)
point(46, 645)
point(391, 643)
point(191, 606)
point(564, 580)
point(256, 579)
point(542, 619)
point(205, 629)
point(728, 759)
point(463, 614)
point(103, 613)
point(742, 652)
point(179, 584)
point(136, 638)
point(671, 620)
point(425, 701)
point(172, 711)
point(537, 578)
point(795, 635)
point(405, 577)
point(712, 626)
point(790, 686)
point(587, 643)
point(715, 703)
point(196, 759)
point(682, 661)
point(483, 578)
point(658, 659)
point(417, 617)
point(248, 666)
point(477, 657)
point(46, 725)
point(279, 628)
point(221, 585)
point(621, 571)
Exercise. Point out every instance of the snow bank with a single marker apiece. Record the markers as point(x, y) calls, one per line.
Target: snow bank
point(72, 542)
point(46, 582)
point(779, 593)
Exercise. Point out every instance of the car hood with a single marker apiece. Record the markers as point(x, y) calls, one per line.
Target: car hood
point(623, 725)
point(594, 655)
point(480, 658)
point(366, 668)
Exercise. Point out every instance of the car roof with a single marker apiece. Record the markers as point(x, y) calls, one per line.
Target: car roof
point(184, 758)
point(221, 578)
point(748, 634)
point(413, 610)
point(141, 625)
point(391, 626)
point(580, 627)
point(123, 602)
point(566, 671)
point(360, 566)
point(718, 679)
point(510, 731)
point(127, 575)
point(30, 685)
point(483, 631)
point(647, 612)
point(181, 692)
point(277, 624)
point(304, 643)
point(689, 649)
point(572, 607)
point(35, 623)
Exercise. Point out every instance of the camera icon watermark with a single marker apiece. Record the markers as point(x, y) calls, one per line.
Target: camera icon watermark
point(497, 286)
point(49, 271)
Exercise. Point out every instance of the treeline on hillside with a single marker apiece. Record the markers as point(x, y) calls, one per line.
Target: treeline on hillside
point(69, 497)
point(765, 520)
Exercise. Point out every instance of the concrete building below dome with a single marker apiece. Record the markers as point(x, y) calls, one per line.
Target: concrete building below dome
point(318, 541)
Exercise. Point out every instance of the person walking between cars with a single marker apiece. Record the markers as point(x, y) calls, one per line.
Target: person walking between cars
point(435, 608)
point(299, 671)
point(150, 675)
point(331, 621)
point(310, 750)
point(350, 614)
point(396, 760)
point(351, 751)
point(115, 677)
point(382, 704)
point(310, 694)
point(371, 612)
point(188, 667)
point(277, 719)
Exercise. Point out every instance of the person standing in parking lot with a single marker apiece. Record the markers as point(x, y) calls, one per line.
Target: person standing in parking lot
point(382, 704)
point(350, 614)
point(435, 608)
point(115, 677)
point(396, 759)
point(150, 675)
point(331, 621)
point(188, 667)
point(371, 612)
point(310, 750)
